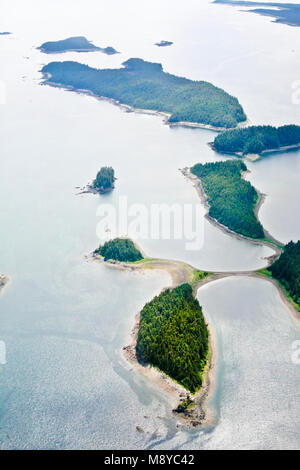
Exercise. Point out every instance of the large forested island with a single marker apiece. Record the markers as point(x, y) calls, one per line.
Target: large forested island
point(231, 198)
point(144, 85)
point(287, 271)
point(258, 139)
point(173, 336)
point(75, 44)
point(119, 249)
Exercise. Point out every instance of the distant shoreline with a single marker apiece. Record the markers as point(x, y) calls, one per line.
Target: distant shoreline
point(254, 157)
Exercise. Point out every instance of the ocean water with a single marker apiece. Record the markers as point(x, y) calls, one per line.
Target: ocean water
point(64, 318)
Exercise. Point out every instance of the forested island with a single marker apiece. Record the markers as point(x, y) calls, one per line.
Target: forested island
point(73, 44)
point(163, 43)
point(104, 181)
point(258, 139)
point(119, 249)
point(231, 198)
point(173, 336)
point(144, 85)
point(285, 13)
point(287, 271)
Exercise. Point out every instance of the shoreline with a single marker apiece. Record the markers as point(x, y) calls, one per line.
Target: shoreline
point(203, 198)
point(89, 189)
point(63, 51)
point(129, 109)
point(295, 313)
point(255, 156)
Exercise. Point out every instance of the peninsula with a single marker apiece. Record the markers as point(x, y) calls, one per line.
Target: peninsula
point(286, 271)
point(258, 140)
point(164, 324)
point(145, 86)
point(171, 343)
point(230, 197)
point(73, 44)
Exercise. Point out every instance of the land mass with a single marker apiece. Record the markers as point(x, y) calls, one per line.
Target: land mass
point(119, 249)
point(75, 44)
point(286, 270)
point(144, 85)
point(192, 409)
point(258, 140)
point(284, 13)
point(173, 336)
point(164, 43)
point(230, 197)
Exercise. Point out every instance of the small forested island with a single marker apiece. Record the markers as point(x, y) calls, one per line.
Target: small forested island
point(285, 13)
point(163, 43)
point(173, 336)
point(287, 271)
point(75, 44)
point(258, 140)
point(119, 249)
point(230, 197)
point(104, 181)
point(144, 85)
